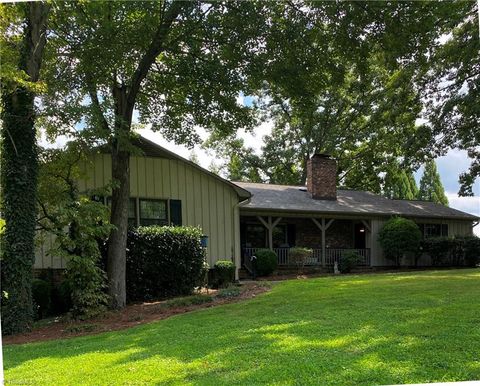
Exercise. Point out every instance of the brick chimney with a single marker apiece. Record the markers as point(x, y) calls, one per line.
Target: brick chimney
point(322, 177)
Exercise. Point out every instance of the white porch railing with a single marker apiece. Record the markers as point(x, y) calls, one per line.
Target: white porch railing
point(331, 255)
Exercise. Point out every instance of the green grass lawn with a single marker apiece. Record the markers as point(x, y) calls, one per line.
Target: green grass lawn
point(365, 329)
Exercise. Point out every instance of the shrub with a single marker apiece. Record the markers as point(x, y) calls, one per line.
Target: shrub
point(398, 237)
point(266, 262)
point(348, 261)
point(299, 256)
point(61, 298)
point(86, 283)
point(471, 247)
point(163, 262)
point(438, 248)
point(224, 273)
point(41, 294)
point(229, 292)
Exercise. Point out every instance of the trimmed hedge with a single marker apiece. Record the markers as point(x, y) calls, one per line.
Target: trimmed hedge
point(266, 262)
point(398, 237)
point(223, 273)
point(453, 251)
point(163, 262)
point(348, 261)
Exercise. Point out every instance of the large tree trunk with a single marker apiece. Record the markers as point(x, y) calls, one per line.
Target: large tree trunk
point(117, 242)
point(19, 161)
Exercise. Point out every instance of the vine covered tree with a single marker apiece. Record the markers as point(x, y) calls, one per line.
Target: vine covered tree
point(431, 188)
point(23, 38)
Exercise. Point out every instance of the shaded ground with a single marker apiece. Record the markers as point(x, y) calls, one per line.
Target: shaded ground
point(375, 329)
point(132, 315)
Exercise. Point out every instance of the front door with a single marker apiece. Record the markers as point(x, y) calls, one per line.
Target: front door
point(360, 234)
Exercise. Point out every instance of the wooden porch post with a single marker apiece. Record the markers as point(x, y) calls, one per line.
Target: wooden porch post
point(324, 248)
point(323, 228)
point(270, 225)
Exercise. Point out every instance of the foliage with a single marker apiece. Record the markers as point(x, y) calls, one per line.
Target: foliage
point(400, 183)
point(180, 65)
point(22, 41)
point(299, 256)
point(325, 309)
point(163, 262)
point(348, 261)
point(78, 223)
point(431, 188)
point(229, 292)
point(438, 248)
point(266, 262)
point(41, 294)
point(472, 250)
point(450, 85)
point(398, 237)
point(188, 301)
point(224, 273)
point(458, 250)
point(357, 100)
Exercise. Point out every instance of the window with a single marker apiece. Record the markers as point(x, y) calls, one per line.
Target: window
point(279, 236)
point(132, 211)
point(255, 236)
point(433, 230)
point(153, 212)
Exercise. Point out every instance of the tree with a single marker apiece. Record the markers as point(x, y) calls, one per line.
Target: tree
point(398, 237)
point(77, 223)
point(400, 184)
point(431, 188)
point(450, 83)
point(340, 79)
point(179, 64)
point(23, 41)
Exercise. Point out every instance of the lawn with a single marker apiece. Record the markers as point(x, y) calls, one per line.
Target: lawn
point(364, 329)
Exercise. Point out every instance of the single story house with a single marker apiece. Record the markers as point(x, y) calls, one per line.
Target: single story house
point(240, 217)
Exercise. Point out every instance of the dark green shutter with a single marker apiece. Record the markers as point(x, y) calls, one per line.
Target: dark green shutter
point(176, 212)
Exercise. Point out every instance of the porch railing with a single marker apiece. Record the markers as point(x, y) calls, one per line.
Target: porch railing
point(331, 255)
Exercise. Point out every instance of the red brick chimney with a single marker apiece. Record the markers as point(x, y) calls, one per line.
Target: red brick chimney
point(322, 177)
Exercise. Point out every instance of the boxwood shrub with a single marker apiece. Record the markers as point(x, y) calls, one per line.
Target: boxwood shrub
point(163, 262)
point(266, 262)
point(223, 273)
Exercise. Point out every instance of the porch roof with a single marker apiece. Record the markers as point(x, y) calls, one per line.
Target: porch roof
point(285, 198)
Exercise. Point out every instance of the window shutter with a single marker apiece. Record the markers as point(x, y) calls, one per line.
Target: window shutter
point(176, 212)
point(291, 235)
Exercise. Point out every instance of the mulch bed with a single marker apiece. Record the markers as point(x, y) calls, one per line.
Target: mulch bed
point(132, 315)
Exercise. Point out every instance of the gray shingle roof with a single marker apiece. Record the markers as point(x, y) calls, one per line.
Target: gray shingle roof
point(297, 199)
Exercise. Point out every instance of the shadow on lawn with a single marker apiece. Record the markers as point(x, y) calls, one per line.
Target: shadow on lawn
point(379, 330)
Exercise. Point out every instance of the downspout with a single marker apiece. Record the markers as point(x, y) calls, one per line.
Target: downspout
point(238, 235)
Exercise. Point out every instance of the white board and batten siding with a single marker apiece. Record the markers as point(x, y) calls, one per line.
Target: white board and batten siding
point(455, 228)
point(206, 201)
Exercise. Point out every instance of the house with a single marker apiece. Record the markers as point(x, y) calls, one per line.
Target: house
point(240, 217)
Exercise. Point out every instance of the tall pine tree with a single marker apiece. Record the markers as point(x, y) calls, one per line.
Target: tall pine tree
point(400, 184)
point(431, 188)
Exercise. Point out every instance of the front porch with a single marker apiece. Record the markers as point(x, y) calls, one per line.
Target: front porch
point(328, 238)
